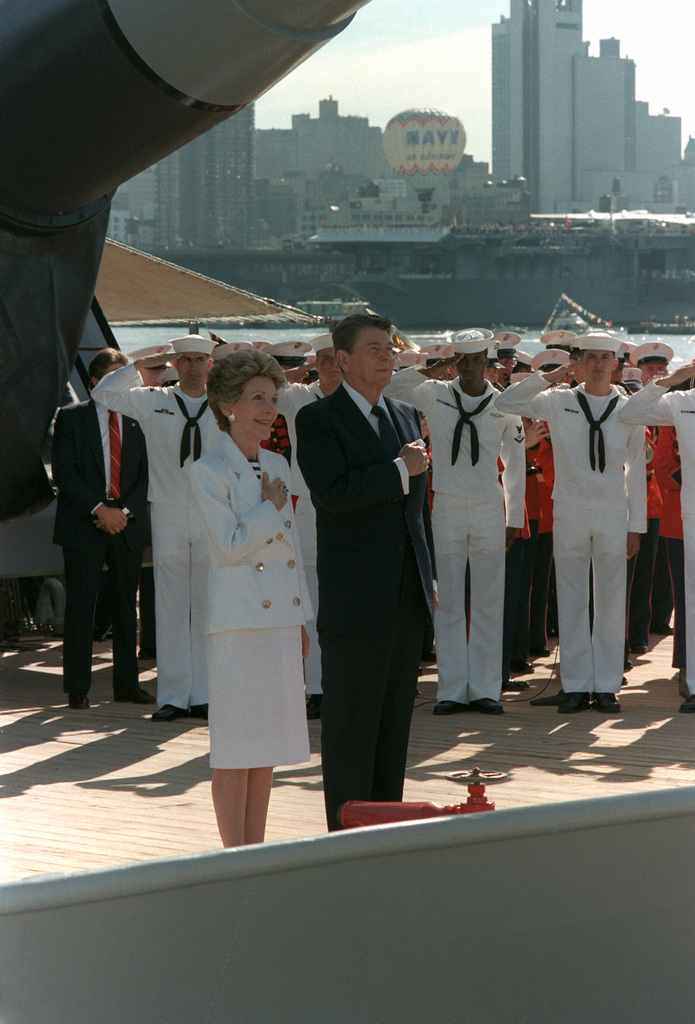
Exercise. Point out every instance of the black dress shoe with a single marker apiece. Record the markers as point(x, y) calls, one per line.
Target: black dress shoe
point(448, 707)
point(486, 706)
point(520, 665)
point(78, 701)
point(514, 685)
point(574, 702)
point(689, 705)
point(661, 629)
point(639, 648)
point(539, 652)
point(549, 702)
point(428, 657)
point(198, 711)
point(606, 702)
point(134, 697)
point(313, 706)
point(146, 654)
point(168, 712)
point(627, 665)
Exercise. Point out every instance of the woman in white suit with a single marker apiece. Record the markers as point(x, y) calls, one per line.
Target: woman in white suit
point(257, 598)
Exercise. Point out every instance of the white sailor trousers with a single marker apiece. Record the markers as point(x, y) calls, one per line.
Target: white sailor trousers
point(180, 564)
point(689, 570)
point(591, 659)
point(305, 519)
point(469, 661)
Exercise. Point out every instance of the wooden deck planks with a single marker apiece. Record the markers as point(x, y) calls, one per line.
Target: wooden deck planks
point(107, 786)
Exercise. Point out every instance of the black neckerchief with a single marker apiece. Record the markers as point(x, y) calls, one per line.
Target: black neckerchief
point(467, 418)
point(595, 429)
point(191, 425)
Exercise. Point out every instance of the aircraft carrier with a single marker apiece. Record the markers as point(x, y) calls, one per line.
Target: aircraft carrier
point(625, 271)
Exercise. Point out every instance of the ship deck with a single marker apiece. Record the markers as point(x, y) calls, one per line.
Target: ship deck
point(107, 786)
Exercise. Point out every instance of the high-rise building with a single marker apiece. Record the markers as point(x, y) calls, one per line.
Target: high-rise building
point(568, 122)
point(202, 195)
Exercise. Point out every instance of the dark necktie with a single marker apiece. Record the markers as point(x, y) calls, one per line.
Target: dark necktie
point(191, 425)
point(466, 418)
point(387, 432)
point(115, 447)
point(595, 429)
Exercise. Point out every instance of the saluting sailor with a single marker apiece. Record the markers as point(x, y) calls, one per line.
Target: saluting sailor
point(600, 509)
point(468, 436)
point(657, 406)
point(178, 428)
point(290, 400)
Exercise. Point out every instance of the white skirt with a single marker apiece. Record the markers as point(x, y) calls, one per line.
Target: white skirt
point(257, 712)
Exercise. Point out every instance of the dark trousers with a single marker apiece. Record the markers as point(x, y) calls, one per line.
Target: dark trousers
point(522, 624)
point(674, 549)
point(540, 590)
point(512, 582)
point(662, 598)
point(369, 686)
point(148, 637)
point(83, 568)
point(640, 572)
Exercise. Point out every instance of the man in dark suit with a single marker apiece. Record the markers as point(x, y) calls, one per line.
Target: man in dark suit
point(365, 465)
point(100, 469)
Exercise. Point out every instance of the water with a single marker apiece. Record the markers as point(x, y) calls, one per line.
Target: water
point(130, 338)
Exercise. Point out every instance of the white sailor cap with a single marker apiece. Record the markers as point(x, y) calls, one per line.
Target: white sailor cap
point(193, 343)
point(514, 378)
point(471, 341)
point(632, 373)
point(151, 350)
point(549, 358)
point(523, 358)
point(410, 357)
point(220, 351)
point(506, 343)
point(436, 348)
point(598, 341)
point(652, 352)
point(559, 339)
point(262, 346)
point(322, 342)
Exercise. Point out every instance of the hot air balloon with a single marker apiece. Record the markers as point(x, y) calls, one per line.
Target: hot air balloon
point(424, 144)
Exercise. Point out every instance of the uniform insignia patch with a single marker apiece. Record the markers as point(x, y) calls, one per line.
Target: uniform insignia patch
point(167, 412)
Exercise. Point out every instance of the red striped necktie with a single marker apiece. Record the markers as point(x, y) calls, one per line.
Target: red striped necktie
point(115, 445)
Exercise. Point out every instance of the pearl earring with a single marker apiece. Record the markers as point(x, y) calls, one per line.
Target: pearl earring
point(231, 417)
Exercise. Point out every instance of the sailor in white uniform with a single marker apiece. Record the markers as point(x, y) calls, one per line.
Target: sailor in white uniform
point(290, 400)
point(600, 508)
point(178, 428)
point(653, 406)
point(468, 436)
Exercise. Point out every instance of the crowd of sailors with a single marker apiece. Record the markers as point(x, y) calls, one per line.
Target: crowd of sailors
point(554, 484)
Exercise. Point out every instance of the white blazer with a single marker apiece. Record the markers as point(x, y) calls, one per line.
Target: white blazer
point(256, 577)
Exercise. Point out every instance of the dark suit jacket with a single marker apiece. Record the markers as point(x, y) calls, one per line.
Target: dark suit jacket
point(362, 517)
point(78, 471)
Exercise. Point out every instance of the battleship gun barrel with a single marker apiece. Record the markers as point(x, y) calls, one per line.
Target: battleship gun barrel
point(94, 91)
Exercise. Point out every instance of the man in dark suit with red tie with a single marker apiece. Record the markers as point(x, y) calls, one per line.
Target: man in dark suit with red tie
point(366, 467)
point(100, 468)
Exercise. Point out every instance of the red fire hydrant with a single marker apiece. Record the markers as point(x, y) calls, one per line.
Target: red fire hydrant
point(358, 813)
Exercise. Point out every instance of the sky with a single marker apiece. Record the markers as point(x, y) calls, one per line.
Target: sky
point(398, 54)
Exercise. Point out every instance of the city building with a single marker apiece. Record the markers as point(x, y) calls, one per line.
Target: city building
point(546, 92)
